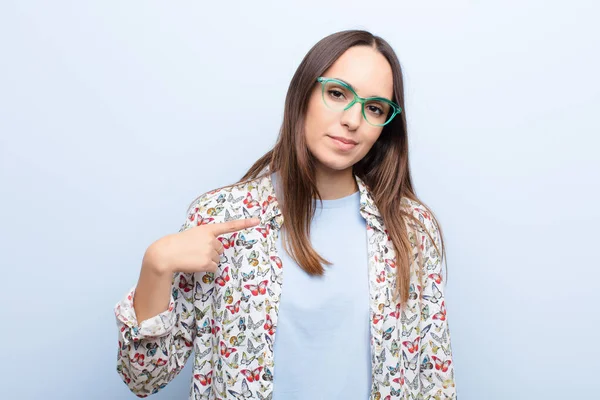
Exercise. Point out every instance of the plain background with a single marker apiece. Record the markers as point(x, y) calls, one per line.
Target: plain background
point(114, 116)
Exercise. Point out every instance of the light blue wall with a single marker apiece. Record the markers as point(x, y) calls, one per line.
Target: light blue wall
point(114, 116)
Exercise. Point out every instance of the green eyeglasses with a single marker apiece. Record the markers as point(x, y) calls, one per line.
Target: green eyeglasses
point(339, 96)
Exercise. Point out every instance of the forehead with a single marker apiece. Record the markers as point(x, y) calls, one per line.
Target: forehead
point(366, 70)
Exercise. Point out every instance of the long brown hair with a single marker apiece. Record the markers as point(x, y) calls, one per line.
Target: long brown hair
point(384, 170)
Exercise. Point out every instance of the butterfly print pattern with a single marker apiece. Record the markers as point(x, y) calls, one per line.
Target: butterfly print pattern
point(228, 319)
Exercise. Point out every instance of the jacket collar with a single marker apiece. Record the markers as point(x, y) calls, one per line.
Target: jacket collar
point(368, 209)
point(271, 213)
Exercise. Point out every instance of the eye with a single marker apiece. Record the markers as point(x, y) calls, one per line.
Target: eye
point(336, 94)
point(375, 109)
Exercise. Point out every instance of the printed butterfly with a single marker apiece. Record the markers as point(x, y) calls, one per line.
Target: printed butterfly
point(253, 375)
point(227, 351)
point(258, 289)
point(204, 379)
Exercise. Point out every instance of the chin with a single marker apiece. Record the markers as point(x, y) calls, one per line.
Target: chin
point(335, 162)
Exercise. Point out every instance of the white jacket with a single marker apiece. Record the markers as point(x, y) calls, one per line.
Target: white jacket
point(230, 321)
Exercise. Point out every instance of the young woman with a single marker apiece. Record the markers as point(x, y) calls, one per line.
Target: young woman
point(319, 274)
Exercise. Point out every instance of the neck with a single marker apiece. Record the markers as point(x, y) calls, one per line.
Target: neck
point(333, 184)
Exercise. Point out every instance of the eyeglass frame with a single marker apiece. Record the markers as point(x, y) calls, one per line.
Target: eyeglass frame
point(357, 99)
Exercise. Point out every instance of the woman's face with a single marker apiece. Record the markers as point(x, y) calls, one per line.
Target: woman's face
point(338, 140)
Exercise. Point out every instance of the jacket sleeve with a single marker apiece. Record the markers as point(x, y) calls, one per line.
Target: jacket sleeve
point(153, 352)
point(436, 371)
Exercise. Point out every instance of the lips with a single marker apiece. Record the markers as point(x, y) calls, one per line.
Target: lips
point(344, 140)
point(342, 144)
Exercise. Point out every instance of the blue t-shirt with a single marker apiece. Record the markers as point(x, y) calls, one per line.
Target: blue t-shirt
point(321, 347)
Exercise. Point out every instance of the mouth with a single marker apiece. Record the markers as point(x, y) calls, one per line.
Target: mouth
point(343, 144)
point(344, 140)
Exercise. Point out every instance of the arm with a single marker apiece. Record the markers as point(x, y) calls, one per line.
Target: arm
point(154, 287)
point(436, 371)
point(155, 348)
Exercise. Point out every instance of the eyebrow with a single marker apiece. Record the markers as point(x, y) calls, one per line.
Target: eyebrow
point(353, 88)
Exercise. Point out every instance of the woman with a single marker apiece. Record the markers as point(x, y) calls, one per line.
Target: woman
point(318, 275)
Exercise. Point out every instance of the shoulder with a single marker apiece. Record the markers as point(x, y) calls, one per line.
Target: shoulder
point(418, 211)
point(226, 203)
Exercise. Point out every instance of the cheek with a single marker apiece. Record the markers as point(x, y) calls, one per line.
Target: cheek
point(316, 121)
point(370, 138)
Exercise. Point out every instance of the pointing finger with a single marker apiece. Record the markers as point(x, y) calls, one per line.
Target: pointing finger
point(233, 226)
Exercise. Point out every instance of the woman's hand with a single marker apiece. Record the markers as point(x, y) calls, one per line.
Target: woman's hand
point(193, 250)
point(196, 249)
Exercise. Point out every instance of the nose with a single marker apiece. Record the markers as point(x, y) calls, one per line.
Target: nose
point(352, 117)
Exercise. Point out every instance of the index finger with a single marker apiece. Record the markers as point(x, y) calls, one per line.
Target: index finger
point(232, 226)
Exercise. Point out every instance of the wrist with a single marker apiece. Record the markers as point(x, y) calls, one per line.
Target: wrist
point(155, 259)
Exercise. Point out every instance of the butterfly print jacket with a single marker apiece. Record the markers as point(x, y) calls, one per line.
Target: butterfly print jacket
point(228, 319)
